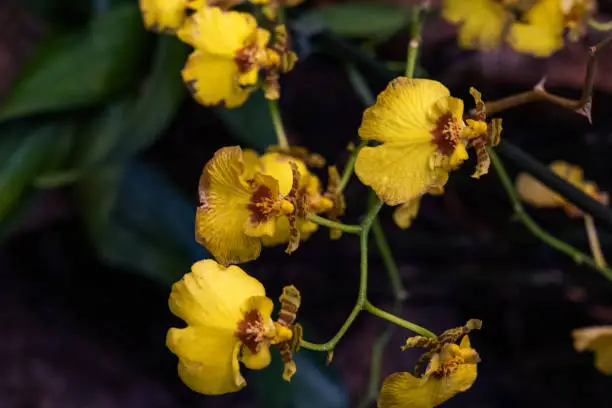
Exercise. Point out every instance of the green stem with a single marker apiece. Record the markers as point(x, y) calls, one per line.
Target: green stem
point(578, 256)
point(416, 26)
point(368, 307)
point(601, 25)
point(359, 84)
point(347, 172)
point(281, 136)
point(363, 285)
point(392, 270)
point(351, 229)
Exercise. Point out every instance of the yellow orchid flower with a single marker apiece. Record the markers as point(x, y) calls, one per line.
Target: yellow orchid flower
point(228, 320)
point(599, 340)
point(309, 198)
point(229, 52)
point(237, 209)
point(423, 138)
point(451, 369)
point(481, 22)
point(537, 194)
point(532, 27)
point(541, 33)
point(163, 15)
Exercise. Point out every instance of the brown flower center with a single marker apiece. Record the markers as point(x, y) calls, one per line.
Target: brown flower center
point(262, 204)
point(446, 134)
point(251, 330)
point(246, 58)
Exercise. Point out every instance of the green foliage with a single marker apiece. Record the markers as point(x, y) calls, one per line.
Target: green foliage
point(22, 155)
point(250, 123)
point(81, 69)
point(362, 20)
point(313, 384)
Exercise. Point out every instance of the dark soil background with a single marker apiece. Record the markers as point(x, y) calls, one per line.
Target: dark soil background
point(78, 334)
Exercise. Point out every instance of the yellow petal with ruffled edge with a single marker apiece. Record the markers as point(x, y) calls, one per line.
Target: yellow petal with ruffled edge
point(535, 193)
point(213, 296)
point(405, 213)
point(219, 32)
point(599, 340)
point(542, 33)
point(402, 112)
point(401, 390)
point(221, 217)
point(399, 173)
point(213, 80)
point(481, 22)
point(208, 359)
point(163, 15)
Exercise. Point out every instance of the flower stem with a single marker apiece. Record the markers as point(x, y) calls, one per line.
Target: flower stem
point(363, 285)
point(416, 26)
point(347, 172)
point(578, 256)
point(351, 229)
point(392, 270)
point(279, 128)
point(368, 307)
point(596, 251)
point(601, 25)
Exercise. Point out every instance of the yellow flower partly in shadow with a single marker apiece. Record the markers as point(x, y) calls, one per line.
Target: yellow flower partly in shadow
point(451, 369)
point(271, 7)
point(482, 22)
point(537, 194)
point(163, 15)
point(237, 208)
point(229, 51)
point(541, 30)
point(228, 320)
point(308, 195)
point(599, 340)
point(532, 27)
point(423, 138)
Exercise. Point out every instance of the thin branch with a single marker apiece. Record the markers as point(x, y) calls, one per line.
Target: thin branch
point(581, 106)
point(578, 256)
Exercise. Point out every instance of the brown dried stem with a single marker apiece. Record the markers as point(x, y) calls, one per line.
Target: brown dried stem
point(538, 93)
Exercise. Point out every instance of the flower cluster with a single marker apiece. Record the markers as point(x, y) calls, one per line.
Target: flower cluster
point(451, 369)
point(232, 55)
point(247, 201)
point(422, 136)
point(530, 26)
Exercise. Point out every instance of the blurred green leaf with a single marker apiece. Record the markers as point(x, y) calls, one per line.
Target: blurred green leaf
point(86, 69)
point(158, 101)
point(313, 385)
point(362, 20)
point(140, 221)
point(23, 152)
point(250, 123)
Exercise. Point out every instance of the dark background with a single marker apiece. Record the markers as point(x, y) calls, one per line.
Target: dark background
point(83, 304)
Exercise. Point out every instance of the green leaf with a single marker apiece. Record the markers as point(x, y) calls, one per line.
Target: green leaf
point(250, 123)
point(362, 20)
point(158, 101)
point(139, 221)
point(81, 70)
point(313, 385)
point(23, 153)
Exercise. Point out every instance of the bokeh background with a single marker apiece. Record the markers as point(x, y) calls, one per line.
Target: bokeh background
point(101, 150)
